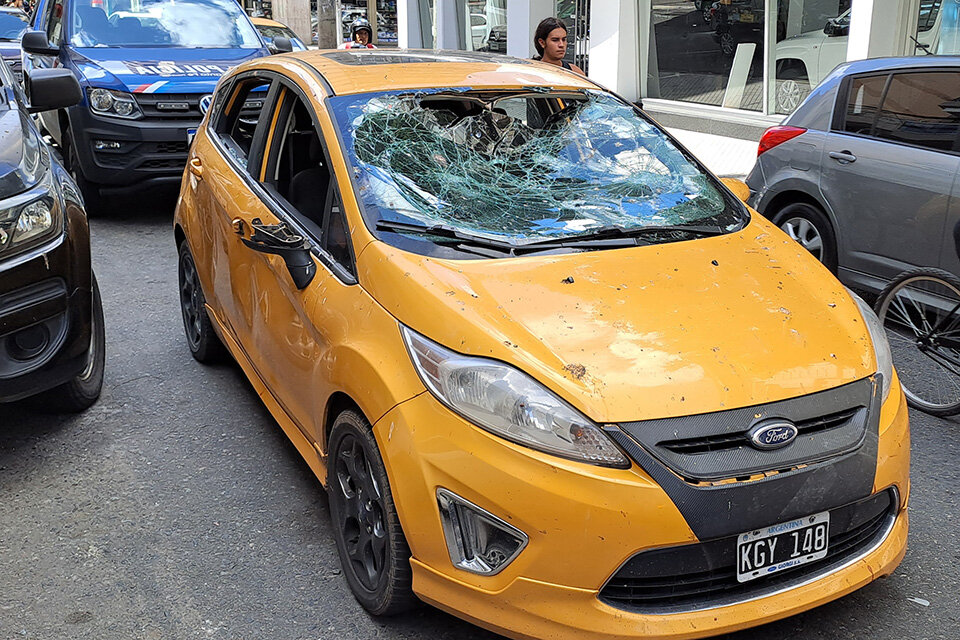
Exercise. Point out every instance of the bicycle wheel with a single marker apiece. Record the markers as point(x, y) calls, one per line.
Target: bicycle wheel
point(920, 312)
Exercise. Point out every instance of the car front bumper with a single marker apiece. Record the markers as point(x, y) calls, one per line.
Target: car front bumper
point(46, 301)
point(150, 153)
point(583, 523)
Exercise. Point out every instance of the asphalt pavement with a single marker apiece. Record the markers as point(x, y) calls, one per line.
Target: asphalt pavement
point(176, 508)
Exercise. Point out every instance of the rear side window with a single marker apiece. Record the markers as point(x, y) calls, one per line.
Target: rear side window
point(921, 109)
point(236, 124)
point(864, 103)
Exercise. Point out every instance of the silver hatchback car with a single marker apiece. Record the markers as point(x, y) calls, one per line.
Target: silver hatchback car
point(864, 173)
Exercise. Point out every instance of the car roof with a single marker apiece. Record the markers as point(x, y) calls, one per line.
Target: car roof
point(887, 64)
point(364, 70)
point(266, 22)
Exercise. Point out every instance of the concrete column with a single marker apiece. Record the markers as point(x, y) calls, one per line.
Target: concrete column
point(409, 27)
point(614, 46)
point(296, 15)
point(448, 28)
point(523, 16)
point(328, 23)
point(881, 28)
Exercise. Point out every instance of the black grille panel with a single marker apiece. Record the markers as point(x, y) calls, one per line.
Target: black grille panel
point(703, 575)
point(733, 440)
point(714, 446)
point(152, 105)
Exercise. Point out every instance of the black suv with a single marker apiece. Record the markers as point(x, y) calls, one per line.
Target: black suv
point(51, 321)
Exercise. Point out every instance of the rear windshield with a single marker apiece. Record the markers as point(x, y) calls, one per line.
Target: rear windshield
point(12, 24)
point(522, 167)
point(162, 23)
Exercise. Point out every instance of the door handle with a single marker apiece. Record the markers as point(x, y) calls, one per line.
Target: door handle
point(196, 167)
point(843, 157)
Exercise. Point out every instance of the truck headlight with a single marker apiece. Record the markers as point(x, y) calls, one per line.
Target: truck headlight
point(29, 218)
point(510, 404)
point(881, 347)
point(115, 104)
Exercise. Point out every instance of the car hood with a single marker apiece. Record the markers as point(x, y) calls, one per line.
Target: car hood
point(9, 49)
point(162, 70)
point(22, 161)
point(639, 333)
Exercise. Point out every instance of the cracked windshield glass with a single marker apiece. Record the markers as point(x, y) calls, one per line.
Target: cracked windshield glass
point(521, 168)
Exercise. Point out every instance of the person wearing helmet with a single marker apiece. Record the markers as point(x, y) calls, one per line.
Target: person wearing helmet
point(361, 33)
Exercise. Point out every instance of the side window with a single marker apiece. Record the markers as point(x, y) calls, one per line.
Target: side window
point(236, 123)
point(297, 170)
point(863, 103)
point(55, 22)
point(921, 109)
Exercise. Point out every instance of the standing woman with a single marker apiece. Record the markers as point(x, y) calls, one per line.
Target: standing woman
point(550, 41)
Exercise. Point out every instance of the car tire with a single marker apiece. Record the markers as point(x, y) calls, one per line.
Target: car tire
point(728, 44)
point(810, 227)
point(792, 87)
point(82, 391)
point(93, 201)
point(202, 339)
point(373, 550)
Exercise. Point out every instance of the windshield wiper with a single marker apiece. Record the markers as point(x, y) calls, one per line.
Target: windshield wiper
point(447, 232)
point(636, 234)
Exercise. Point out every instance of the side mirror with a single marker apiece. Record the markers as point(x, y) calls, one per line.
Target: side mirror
point(50, 89)
point(738, 187)
point(834, 28)
point(279, 240)
point(280, 45)
point(36, 42)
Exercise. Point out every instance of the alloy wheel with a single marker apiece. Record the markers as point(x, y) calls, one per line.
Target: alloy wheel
point(361, 512)
point(789, 95)
point(191, 300)
point(805, 233)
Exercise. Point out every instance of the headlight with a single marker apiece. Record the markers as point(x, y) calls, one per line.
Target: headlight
point(880, 345)
point(116, 104)
point(510, 404)
point(29, 218)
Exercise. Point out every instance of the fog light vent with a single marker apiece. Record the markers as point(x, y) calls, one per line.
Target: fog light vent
point(477, 540)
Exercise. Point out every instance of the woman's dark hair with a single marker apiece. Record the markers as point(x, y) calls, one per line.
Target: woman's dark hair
point(543, 31)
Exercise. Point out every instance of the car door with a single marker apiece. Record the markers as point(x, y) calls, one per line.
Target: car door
point(888, 168)
point(216, 182)
point(49, 17)
point(300, 333)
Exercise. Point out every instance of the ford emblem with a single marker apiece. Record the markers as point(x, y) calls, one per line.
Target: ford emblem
point(205, 102)
point(774, 434)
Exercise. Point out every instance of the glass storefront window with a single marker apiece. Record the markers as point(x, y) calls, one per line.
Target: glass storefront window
point(485, 25)
point(576, 15)
point(708, 52)
point(384, 19)
point(816, 34)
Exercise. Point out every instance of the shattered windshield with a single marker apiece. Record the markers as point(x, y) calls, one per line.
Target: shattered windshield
point(521, 167)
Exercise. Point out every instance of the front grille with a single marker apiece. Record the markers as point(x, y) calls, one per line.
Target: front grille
point(715, 446)
point(704, 575)
point(734, 440)
point(167, 147)
point(163, 163)
point(152, 106)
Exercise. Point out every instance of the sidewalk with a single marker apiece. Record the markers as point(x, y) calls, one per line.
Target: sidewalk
point(726, 157)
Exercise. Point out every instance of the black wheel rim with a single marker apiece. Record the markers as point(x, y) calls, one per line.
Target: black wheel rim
point(360, 513)
point(191, 300)
point(924, 340)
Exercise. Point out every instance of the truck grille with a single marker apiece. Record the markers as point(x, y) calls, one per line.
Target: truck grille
point(704, 575)
point(170, 106)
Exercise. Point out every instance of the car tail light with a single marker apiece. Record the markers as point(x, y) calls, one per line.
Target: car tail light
point(777, 135)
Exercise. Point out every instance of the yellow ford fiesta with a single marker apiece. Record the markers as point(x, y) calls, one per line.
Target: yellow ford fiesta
point(557, 378)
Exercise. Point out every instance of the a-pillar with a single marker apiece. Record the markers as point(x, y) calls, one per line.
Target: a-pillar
point(523, 16)
point(882, 28)
point(614, 49)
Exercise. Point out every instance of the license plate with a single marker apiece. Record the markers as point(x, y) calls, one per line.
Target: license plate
point(746, 16)
point(782, 546)
point(190, 134)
